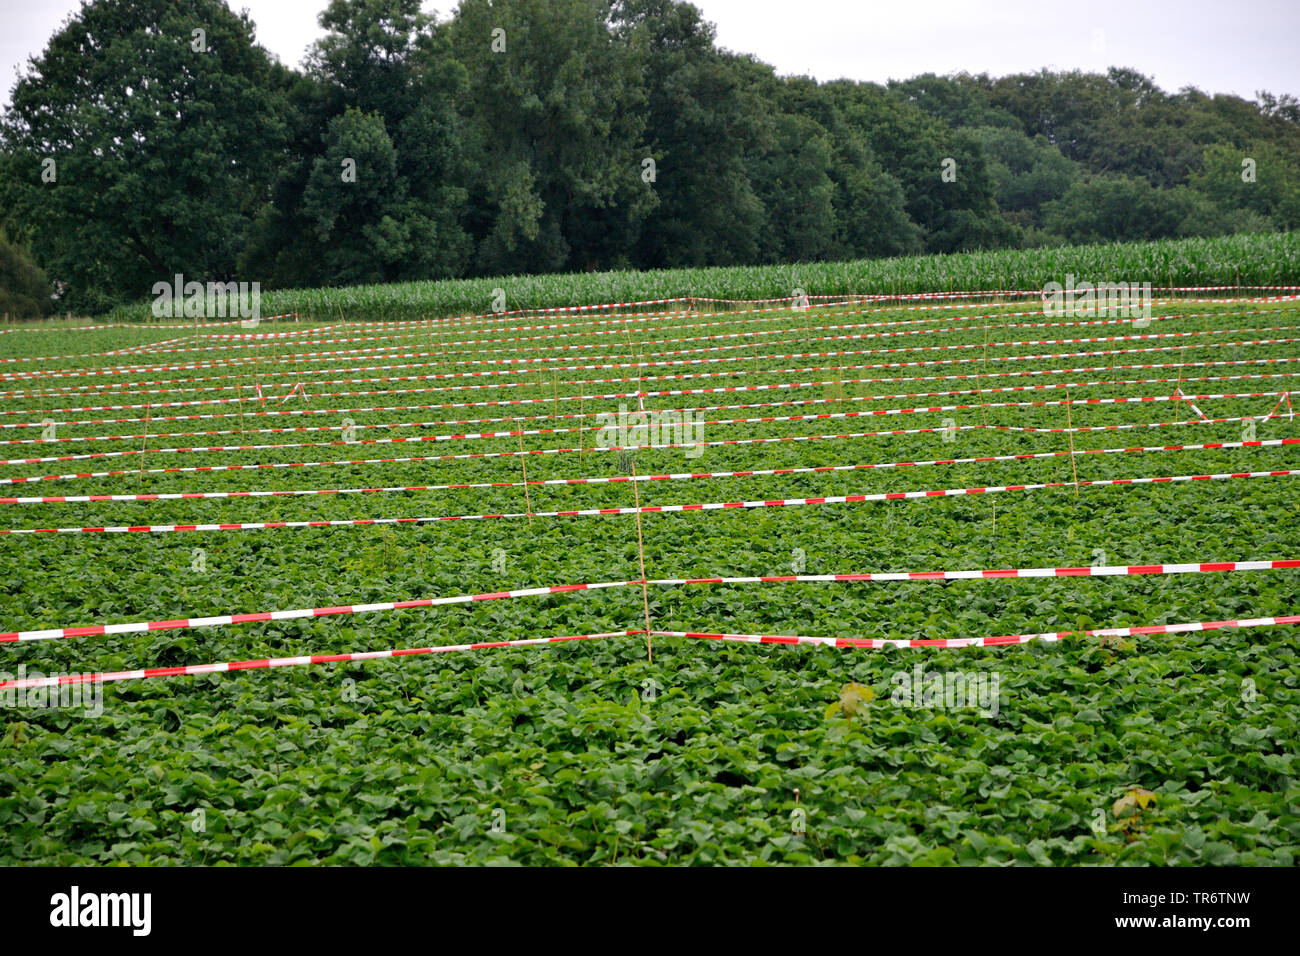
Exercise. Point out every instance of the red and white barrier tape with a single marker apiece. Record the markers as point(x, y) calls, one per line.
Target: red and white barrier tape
point(617, 479)
point(492, 386)
point(718, 443)
point(801, 333)
point(195, 670)
point(199, 469)
point(1032, 292)
point(571, 429)
point(805, 330)
point(786, 403)
point(923, 363)
point(259, 336)
point(985, 574)
point(221, 620)
point(598, 366)
point(878, 643)
point(500, 321)
point(435, 406)
point(145, 326)
point(157, 347)
point(987, 293)
point(656, 509)
point(519, 343)
point(226, 620)
point(708, 390)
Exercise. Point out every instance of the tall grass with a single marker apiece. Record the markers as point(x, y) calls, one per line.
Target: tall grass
point(1245, 259)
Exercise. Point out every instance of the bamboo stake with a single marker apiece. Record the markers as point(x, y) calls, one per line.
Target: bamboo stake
point(1070, 431)
point(636, 496)
point(243, 431)
point(984, 358)
point(993, 551)
point(144, 441)
point(523, 463)
point(640, 550)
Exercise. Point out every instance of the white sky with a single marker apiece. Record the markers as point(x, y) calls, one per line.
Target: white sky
point(1220, 46)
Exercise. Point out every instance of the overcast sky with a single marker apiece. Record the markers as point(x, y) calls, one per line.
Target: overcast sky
point(1218, 46)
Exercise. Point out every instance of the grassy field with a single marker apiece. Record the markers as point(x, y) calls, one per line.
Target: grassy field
point(1159, 748)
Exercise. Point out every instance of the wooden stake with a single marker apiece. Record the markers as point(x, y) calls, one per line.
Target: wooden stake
point(242, 430)
point(1070, 431)
point(144, 441)
point(523, 463)
point(297, 377)
point(994, 550)
point(984, 358)
point(636, 497)
point(539, 366)
point(640, 550)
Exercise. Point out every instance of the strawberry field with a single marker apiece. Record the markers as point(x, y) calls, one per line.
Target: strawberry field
point(895, 579)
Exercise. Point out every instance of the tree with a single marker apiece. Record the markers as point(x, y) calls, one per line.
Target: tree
point(140, 144)
point(25, 292)
point(1114, 208)
point(386, 60)
point(555, 133)
point(702, 124)
point(1260, 178)
point(869, 206)
point(356, 203)
point(793, 181)
point(153, 137)
point(1285, 106)
point(916, 150)
point(956, 100)
point(1028, 172)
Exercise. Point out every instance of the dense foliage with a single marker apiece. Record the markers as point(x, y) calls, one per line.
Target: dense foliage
point(1154, 749)
point(534, 136)
point(24, 289)
point(1247, 259)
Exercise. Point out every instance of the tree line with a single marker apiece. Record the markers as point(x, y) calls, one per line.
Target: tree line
point(155, 137)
